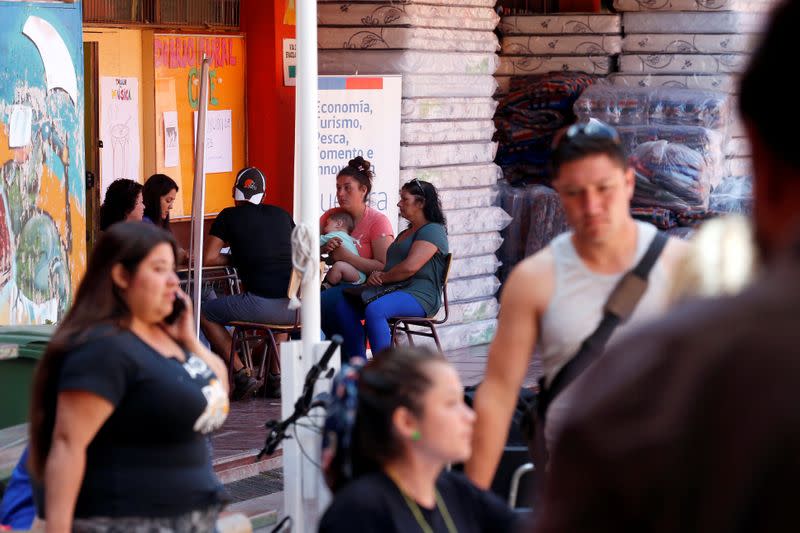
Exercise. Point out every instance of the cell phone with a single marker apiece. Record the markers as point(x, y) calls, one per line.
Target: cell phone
point(178, 307)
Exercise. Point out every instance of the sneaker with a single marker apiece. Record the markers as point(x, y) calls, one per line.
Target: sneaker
point(244, 384)
point(273, 386)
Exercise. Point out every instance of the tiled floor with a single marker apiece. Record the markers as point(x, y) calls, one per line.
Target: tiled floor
point(244, 430)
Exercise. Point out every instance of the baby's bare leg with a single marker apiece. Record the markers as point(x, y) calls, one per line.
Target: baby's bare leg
point(342, 271)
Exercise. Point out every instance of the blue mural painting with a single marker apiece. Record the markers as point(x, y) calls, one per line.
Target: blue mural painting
point(42, 160)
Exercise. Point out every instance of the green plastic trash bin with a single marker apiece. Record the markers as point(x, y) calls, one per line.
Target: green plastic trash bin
point(21, 348)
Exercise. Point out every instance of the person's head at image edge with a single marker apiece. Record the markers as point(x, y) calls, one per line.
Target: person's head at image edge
point(249, 187)
point(123, 202)
point(594, 181)
point(159, 194)
point(420, 203)
point(130, 276)
point(776, 159)
point(410, 410)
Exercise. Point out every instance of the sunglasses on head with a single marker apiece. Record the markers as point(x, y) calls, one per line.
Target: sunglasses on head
point(416, 182)
point(595, 129)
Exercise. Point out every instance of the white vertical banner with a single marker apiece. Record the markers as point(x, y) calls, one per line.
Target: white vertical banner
point(360, 116)
point(119, 130)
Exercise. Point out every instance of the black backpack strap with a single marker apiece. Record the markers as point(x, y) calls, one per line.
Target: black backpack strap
point(620, 305)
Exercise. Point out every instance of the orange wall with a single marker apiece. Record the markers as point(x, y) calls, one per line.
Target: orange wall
point(270, 105)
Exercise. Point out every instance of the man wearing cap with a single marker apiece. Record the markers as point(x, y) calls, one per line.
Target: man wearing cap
point(554, 300)
point(259, 236)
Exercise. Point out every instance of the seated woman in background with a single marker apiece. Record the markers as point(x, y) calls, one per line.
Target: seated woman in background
point(372, 233)
point(413, 275)
point(124, 395)
point(123, 202)
point(159, 194)
point(410, 422)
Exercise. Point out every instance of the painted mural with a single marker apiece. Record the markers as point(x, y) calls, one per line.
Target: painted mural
point(42, 190)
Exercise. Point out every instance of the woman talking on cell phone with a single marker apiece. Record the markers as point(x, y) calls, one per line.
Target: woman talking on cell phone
point(122, 398)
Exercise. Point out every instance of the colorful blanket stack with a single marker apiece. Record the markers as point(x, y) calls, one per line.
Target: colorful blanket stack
point(529, 116)
point(536, 44)
point(446, 52)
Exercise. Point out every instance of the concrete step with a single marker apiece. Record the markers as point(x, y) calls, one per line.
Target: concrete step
point(245, 464)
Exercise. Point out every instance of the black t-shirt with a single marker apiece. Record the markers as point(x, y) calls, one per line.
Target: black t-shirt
point(373, 503)
point(150, 457)
point(260, 237)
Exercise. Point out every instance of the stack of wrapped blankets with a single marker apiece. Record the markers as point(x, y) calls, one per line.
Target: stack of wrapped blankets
point(697, 44)
point(537, 217)
point(535, 44)
point(675, 139)
point(446, 52)
point(528, 118)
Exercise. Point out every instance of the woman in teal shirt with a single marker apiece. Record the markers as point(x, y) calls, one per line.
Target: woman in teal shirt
point(415, 264)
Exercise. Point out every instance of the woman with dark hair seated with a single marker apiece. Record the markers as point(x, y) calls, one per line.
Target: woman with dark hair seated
point(387, 470)
point(159, 194)
point(124, 395)
point(123, 202)
point(411, 282)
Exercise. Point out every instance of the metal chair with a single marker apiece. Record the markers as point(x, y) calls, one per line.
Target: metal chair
point(404, 323)
point(246, 332)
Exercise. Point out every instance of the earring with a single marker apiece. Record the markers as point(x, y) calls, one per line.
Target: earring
point(416, 436)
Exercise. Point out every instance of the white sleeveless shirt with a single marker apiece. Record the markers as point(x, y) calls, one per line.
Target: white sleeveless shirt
point(576, 307)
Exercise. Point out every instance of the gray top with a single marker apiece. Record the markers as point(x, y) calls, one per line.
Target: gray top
point(426, 285)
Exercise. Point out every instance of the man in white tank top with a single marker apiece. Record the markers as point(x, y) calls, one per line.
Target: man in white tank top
point(554, 299)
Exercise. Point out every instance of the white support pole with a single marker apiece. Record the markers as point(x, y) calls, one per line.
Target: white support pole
point(308, 157)
point(305, 495)
point(199, 199)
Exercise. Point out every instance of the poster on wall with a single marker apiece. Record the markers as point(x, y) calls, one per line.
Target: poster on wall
point(42, 163)
point(290, 62)
point(119, 130)
point(360, 116)
point(219, 148)
point(178, 60)
point(171, 152)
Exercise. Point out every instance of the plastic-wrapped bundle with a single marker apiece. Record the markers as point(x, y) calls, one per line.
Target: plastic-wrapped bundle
point(482, 265)
point(688, 22)
point(739, 166)
point(670, 176)
point(646, 106)
point(471, 311)
point(708, 143)
point(468, 198)
point(474, 244)
point(472, 288)
point(679, 63)
point(391, 13)
point(537, 217)
point(480, 220)
point(528, 118)
point(406, 61)
point(585, 45)
point(455, 336)
point(448, 85)
point(436, 131)
point(679, 43)
point(447, 108)
point(414, 38)
point(455, 177)
point(738, 147)
point(563, 24)
point(522, 65)
point(733, 195)
point(434, 155)
point(692, 5)
point(726, 83)
point(657, 216)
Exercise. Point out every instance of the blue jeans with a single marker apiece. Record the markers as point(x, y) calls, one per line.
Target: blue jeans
point(376, 317)
point(328, 303)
